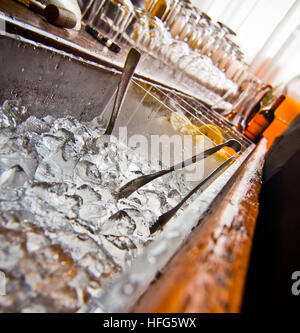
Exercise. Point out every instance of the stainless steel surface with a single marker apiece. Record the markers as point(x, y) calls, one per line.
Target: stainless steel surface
point(52, 82)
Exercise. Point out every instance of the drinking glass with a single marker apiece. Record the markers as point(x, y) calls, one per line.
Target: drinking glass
point(224, 52)
point(137, 33)
point(230, 54)
point(234, 65)
point(149, 35)
point(200, 27)
point(170, 15)
point(90, 9)
point(111, 16)
point(212, 38)
point(159, 8)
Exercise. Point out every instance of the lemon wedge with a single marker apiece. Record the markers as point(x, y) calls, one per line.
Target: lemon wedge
point(224, 153)
point(213, 133)
point(182, 124)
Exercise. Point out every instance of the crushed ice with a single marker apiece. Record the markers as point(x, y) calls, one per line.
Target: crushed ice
point(63, 234)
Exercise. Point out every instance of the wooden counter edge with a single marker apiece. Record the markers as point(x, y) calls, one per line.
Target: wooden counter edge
point(208, 274)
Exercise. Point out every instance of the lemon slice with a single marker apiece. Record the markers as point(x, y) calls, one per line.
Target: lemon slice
point(182, 124)
point(224, 153)
point(213, 133)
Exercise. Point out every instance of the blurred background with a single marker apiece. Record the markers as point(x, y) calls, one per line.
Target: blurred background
point(267, 32)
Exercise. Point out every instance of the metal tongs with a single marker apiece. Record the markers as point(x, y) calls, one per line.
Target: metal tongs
point(137, 183)
point(131, 62)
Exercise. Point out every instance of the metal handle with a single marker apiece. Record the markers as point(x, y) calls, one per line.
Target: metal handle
point(131, 62)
